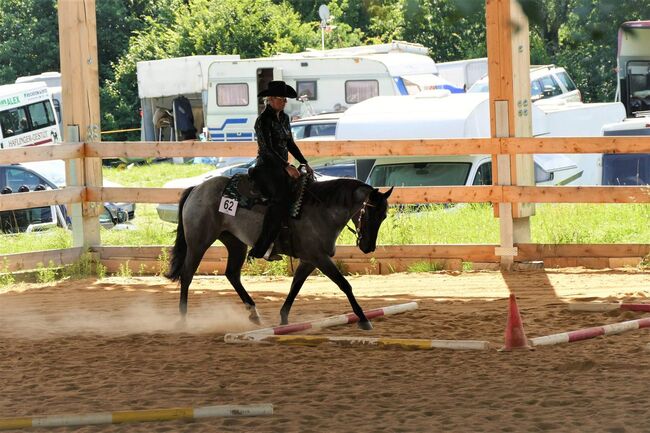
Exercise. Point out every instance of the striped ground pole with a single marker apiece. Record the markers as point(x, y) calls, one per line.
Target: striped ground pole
point(328, 322)
point(607, 306)
point(402, 343)
point(584, 334)
point(120, 417)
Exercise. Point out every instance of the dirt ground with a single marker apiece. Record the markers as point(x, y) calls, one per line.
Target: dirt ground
point(93, 346)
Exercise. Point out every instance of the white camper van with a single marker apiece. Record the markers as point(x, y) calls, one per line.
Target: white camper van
point(222, 90)
point(26, 116)
point(53, 82)
point(444, 115)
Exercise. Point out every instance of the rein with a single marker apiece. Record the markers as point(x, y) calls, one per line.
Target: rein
point(359, 229)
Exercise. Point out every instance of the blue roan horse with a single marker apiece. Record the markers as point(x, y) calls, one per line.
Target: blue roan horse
point(327, 208)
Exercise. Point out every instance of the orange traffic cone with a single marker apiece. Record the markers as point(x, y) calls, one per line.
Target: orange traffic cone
point(515, 336)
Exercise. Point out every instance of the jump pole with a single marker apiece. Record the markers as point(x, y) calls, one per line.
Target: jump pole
point(587, 333)
point(402, 343)
point(328, 322)
point(121, 417)
point(607, 306)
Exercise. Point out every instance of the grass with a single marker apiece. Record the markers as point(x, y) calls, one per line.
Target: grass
point(435, 224)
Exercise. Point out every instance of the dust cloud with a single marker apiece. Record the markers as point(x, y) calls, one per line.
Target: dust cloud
point(141, 317)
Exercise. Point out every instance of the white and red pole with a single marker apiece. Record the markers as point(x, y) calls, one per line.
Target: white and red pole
point(586, 333)
point(328, 322)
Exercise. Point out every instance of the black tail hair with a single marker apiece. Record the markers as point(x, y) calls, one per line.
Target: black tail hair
point(179, 251)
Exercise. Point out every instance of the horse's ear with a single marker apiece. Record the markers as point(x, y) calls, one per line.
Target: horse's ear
point(388, 193)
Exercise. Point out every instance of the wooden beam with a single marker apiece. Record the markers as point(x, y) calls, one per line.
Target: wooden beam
point(31, 260)
point(577, 194)
point(355, 148)
point(389, 258)
point(629, 144)
point(45, 152)
point(27, 200)
point(342, 148)
point(80, 92)
point(418, 195)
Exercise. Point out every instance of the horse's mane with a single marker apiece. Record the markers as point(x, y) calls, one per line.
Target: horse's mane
point(336, 192)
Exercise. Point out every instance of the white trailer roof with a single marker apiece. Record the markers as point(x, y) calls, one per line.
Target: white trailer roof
point(175, 76)
point(436, 114)
point(20, 89)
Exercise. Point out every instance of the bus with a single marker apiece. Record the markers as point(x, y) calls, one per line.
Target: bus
point(27, 116)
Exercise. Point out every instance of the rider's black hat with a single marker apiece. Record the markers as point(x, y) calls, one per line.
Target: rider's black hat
point(279, 88)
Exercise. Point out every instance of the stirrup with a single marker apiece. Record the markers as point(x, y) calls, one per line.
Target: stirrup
point(269, 256)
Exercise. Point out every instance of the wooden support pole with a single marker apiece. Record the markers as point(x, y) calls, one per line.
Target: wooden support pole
point(510, 115)
point(80, 92)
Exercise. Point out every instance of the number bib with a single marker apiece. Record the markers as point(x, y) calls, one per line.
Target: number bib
point(228, 206)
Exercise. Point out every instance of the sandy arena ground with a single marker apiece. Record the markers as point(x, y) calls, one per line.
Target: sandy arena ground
point(92, 346)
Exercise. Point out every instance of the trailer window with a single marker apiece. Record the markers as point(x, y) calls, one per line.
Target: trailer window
point(232, 95)
point(307, 89)
point(360, 90)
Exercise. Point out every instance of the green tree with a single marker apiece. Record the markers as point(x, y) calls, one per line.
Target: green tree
point(451, 29)
point(29, 35)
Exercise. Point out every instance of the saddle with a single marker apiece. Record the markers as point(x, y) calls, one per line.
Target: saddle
point(242, 189)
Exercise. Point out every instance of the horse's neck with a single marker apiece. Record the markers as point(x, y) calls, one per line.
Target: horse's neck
point(361, 195)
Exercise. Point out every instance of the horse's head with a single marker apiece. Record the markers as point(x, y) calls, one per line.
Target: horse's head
point(372, 214)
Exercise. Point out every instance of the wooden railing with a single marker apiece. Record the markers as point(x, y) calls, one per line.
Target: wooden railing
point(353, 149)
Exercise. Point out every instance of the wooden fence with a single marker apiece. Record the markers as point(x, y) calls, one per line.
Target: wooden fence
point(387, 258)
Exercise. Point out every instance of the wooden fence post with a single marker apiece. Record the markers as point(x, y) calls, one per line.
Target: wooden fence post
point(80, 92)
point(510, 115)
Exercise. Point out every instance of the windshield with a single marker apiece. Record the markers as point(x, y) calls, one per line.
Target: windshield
point(420, 174)
point(479, 87)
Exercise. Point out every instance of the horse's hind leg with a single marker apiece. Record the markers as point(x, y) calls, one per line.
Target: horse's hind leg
point(191, 264)
point(302, 272)
point(328, 267)
point(236, 258)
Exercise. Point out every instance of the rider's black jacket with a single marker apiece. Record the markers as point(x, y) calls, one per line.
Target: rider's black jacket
point(274, 139)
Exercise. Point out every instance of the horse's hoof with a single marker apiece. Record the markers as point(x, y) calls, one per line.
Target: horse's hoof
point(253, 316)
point(366, 326)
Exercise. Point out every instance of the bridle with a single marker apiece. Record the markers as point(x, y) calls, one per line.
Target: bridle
point(358, 233)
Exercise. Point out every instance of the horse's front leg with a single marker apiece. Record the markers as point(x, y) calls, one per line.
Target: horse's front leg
point(328, 267)
point(302, 272)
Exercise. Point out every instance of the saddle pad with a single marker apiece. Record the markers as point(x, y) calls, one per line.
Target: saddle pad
point(242, 189)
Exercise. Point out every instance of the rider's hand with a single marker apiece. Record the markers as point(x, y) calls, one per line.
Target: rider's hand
point(293, 171)
point(310, 170)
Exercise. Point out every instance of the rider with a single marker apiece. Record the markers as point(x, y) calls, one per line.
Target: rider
point(273, 172)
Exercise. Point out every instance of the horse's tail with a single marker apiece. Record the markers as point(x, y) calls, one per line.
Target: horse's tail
point(179, 251)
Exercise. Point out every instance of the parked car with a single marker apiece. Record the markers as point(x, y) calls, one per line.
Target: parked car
point(33, 176)
point(546, 82)
point(318, 127)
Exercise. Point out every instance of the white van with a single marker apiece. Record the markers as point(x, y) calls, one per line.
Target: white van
point(27, 116)
point(53, 82)
point(547, 82)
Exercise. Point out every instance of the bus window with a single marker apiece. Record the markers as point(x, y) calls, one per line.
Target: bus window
point(13, 122)
point(40, 115)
